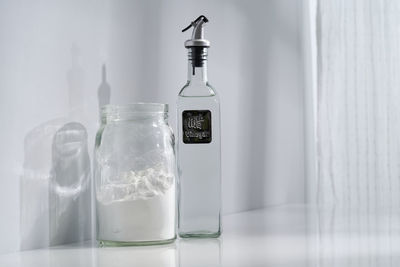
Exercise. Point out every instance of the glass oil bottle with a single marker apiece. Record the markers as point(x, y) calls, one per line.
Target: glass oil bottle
point(199, 144)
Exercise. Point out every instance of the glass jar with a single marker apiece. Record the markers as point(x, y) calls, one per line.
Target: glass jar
point(135, 175)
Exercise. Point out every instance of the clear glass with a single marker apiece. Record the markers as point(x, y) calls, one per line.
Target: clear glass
point(135, 176)
point(199, 164)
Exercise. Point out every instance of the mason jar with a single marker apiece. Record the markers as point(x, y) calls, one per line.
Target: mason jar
point(135, 175)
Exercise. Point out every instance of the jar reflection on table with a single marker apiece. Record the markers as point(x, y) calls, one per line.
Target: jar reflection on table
point(162, 256)
point(135, 175)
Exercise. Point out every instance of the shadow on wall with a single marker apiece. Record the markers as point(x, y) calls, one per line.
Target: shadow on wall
point(70, 186)
point(135, 47)
point(104, 90)
point(55, 188)
point(34, 185)
point(76, 84)
point(268, 144)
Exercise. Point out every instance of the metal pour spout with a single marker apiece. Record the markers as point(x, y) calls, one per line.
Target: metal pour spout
point(198, 33)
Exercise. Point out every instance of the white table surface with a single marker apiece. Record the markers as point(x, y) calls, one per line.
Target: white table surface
point(294, 235)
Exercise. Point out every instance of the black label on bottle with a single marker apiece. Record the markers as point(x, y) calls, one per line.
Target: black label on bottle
point(196, 126)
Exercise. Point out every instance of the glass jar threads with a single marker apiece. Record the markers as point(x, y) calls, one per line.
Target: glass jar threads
point(135, 175)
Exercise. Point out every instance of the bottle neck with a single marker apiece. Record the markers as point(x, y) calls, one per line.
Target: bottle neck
point(197, 65)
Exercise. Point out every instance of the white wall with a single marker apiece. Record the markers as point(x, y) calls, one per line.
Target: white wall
point(52, 55)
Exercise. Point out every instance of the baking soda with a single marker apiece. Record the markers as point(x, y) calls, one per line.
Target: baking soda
point(140, 207)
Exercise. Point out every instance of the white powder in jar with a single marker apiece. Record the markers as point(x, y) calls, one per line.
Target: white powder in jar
point(140, 207)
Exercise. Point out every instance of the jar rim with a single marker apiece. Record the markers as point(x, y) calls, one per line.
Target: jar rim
point(135, 108)
point(133, 111)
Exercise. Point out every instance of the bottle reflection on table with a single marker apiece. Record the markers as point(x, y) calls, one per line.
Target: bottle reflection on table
point(200, 252)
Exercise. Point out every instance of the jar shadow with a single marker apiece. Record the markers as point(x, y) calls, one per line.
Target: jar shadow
point(55, 201)
point(70, 186)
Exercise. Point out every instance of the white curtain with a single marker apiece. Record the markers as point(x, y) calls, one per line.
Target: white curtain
point(356, 104)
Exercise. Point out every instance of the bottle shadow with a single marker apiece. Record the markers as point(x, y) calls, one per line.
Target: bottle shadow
point(104, 90)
